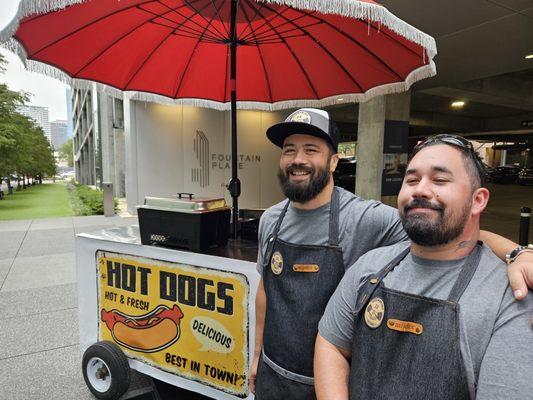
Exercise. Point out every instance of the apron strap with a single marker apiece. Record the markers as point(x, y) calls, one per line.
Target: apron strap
point(467, 272)
point(306, 380)
point(334, 218)
point(370, 283)
point(273, 236)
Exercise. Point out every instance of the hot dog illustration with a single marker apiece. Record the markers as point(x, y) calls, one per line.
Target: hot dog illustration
point(146, 333)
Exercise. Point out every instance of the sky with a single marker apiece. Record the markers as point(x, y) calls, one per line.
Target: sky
point(46, 91)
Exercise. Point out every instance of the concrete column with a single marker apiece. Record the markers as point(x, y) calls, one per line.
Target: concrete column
point(105, 122)
point(119, 149)
point(370, 136)
point(132, 175)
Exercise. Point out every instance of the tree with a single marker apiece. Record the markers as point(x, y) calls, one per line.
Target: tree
point(24, 149)
point(66, 152)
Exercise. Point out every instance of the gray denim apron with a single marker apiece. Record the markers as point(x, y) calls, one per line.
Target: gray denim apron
point(414, 352)
point(299, 280)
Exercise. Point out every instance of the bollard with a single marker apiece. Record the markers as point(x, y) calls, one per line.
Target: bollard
point(109, 199)
point(523, 237)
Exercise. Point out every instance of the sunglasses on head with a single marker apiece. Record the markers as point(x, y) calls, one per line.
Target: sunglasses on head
point(453, 140)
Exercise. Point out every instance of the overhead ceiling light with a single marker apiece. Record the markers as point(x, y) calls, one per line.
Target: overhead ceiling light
point(458, 104)
point(529, 57)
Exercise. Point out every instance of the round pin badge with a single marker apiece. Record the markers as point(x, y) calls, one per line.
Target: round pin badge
point(276, 263)
point(374, 313)
point(301, 116)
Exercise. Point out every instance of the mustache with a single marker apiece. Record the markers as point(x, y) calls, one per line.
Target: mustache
point(422, 203)
point(298, 167)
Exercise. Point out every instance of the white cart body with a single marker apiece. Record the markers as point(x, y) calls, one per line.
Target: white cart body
point(210, 348)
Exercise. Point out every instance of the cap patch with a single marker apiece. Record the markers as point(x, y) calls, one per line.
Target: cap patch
point(300, 116)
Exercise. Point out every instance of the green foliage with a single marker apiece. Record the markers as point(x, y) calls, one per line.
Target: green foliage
point(66, 152)
point(24, 149)
point(85, 200)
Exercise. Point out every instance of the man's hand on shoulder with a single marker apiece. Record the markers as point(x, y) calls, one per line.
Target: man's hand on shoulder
point(521, 274)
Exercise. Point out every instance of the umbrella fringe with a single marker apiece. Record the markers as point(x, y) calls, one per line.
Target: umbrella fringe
point(30, 7)
point(347, 8)
point(351, 8)
point(44, 69)
point(365, 11)
point(423, 72)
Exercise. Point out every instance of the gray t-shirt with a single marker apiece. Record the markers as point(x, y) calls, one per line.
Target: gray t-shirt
point(363, 225)
point(495, 332)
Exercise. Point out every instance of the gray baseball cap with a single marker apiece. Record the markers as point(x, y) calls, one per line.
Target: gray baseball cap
point(305, 121)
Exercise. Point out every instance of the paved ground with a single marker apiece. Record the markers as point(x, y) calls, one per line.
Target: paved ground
point(39, 353)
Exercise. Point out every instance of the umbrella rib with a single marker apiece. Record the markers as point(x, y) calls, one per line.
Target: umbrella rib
point(108, 47)
point(181, 24)
point(267, 32)
point(143, 63)
point(294, 55)
point(260, 56)
point(361, 45)
point(249, 25)
point(266, 20)
point(96, 56)
point(330, 54)
point(189, 61)
point(178, 25)
point(205, 19)
point(185, 30)
point(217, 10)
point(82, 27)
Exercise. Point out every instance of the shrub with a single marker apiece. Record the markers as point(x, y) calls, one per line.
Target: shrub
point(86, 200)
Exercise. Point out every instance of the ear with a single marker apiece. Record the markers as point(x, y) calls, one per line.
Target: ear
point(333, 162)
point(480, 199)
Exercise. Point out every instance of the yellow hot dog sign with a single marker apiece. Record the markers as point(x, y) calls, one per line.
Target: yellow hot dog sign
point(187, 320)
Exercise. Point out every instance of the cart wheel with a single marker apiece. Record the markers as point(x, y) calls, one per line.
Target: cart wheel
point(106, 370)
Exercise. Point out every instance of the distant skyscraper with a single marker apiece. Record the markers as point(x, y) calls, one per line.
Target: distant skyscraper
point(39, 115)
point(58, 133)
point(70, 122)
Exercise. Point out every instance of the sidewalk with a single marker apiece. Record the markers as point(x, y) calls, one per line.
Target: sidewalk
point(39, 353)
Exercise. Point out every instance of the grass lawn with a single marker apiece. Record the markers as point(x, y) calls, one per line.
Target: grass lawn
point(39, 201)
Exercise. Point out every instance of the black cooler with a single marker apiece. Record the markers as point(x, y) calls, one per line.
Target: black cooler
point(184, 222)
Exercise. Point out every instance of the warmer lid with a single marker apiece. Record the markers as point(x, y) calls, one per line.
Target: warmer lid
point(185, 202)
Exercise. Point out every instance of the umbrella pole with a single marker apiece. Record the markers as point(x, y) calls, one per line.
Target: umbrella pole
point(234, 184)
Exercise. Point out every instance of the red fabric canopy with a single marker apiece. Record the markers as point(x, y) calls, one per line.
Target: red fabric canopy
point(179, 49)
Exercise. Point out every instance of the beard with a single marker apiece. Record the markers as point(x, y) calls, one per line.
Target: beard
point(423, 230)
point(302, 192)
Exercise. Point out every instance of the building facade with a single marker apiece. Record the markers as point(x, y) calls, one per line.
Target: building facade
point(58, 133)
point(39, 115)
point(98, 139)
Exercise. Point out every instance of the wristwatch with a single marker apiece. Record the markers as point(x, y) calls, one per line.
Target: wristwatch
point(511, 257)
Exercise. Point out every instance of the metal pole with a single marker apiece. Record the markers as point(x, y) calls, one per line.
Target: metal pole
point(523, 237)
point(234, 184)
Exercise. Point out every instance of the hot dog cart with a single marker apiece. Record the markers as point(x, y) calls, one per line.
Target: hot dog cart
point(180, 317)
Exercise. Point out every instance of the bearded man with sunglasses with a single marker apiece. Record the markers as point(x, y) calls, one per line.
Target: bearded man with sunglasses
point(306, 243)
point(434, 317)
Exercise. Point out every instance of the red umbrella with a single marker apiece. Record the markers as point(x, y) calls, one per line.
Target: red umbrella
point(288, 53)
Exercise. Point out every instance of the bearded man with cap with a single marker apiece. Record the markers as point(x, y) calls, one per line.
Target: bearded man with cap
point(305, 245)
point(434, 317)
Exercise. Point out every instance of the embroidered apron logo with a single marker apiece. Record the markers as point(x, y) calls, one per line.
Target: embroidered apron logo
point(374, 313)
point(276, 263)
point(301, 116)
